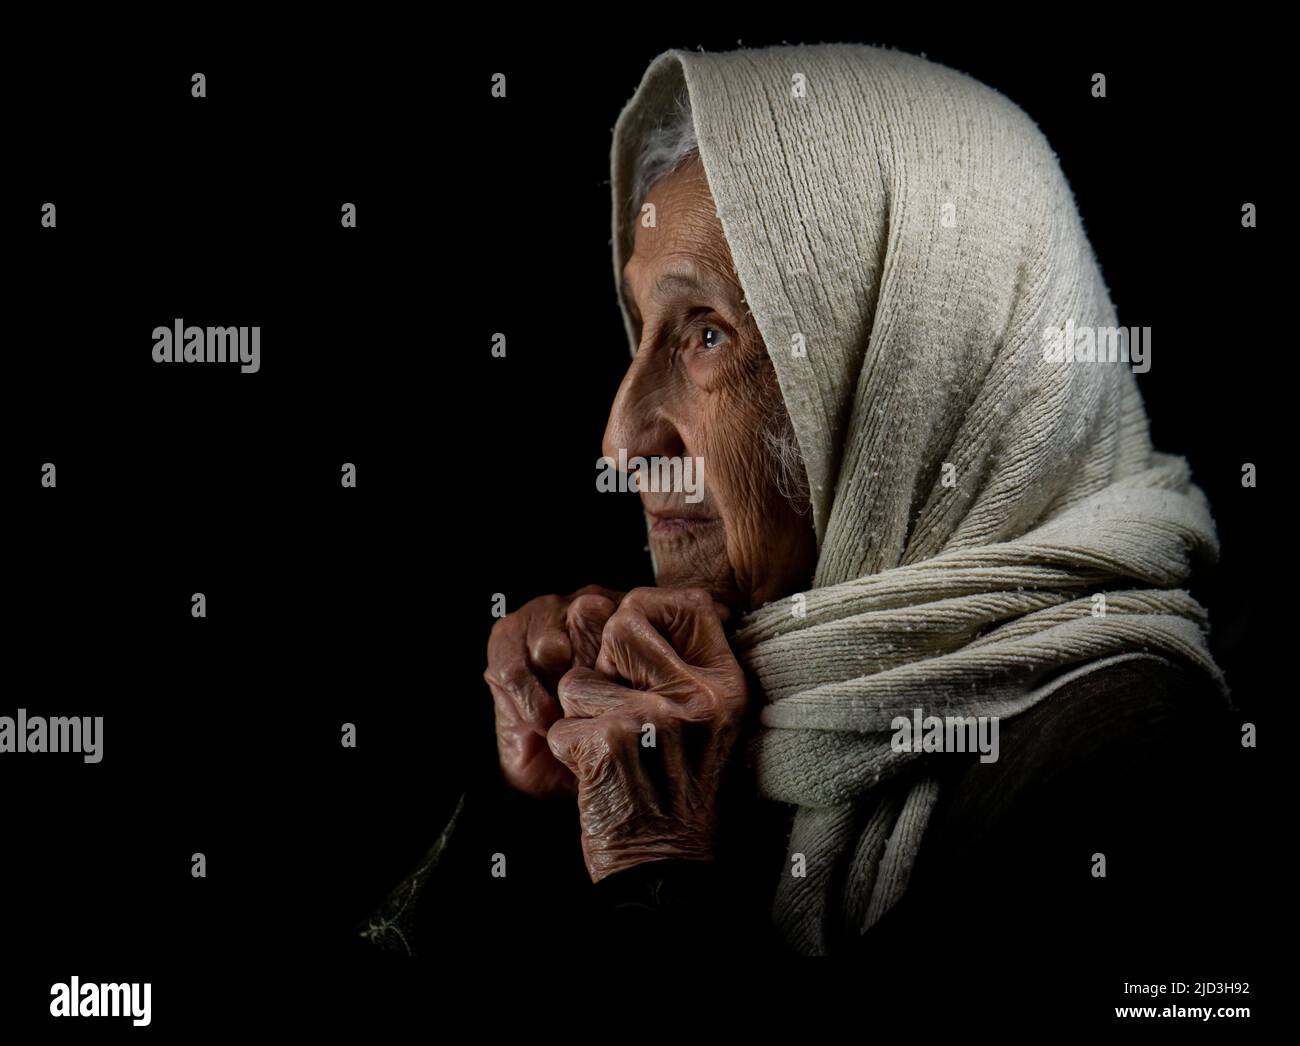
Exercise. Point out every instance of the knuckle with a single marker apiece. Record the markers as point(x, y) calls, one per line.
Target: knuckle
point(562, 736)
point(621, 623)
point(566, 684)
point(539, 607)
point(662, 711)
point(503, 628)
point(573, 686)
point(639, 596)
point(513, 675)
point(613, 731)
point(557, 742)
point(549, 645)
point(590, 604)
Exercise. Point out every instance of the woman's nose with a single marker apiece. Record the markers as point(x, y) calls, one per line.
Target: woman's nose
point(639, 419)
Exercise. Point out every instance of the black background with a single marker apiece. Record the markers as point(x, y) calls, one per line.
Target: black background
point(372, 605)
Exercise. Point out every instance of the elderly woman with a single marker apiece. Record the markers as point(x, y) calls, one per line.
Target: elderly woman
point(838, 266)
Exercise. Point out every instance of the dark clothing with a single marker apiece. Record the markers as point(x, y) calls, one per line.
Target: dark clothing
point(1137, 761)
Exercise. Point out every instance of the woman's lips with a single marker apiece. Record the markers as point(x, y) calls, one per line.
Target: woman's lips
point(667, 525)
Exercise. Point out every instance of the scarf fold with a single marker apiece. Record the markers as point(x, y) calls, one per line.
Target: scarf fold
point(992, 522)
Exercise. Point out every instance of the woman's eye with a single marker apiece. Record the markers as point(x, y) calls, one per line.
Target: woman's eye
point(709, 337)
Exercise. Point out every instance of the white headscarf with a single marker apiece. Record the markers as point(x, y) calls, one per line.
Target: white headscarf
point(905, 237)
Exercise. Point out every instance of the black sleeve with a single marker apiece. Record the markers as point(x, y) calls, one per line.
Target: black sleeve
point(669, 907)
point(1135, 767)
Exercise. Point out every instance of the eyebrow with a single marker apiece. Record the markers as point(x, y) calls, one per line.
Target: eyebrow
point(679, 281)
point(668, 281)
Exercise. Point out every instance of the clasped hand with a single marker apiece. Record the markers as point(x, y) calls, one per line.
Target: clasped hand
point(632, 704)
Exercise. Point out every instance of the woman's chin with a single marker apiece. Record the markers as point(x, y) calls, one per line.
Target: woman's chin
point(693, 558)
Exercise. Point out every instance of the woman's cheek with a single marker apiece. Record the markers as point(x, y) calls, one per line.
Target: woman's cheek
point(739, 485)
point(705, 371)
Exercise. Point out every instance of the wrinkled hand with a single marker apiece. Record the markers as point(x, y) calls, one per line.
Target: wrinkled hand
point(664, 662)
point(528, 652)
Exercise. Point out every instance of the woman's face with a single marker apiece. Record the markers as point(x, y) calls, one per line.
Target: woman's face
point(702, 386)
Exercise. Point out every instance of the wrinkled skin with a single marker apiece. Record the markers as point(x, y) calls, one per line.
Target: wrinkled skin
point(528, 652)
point(645, 795)
point(576, 680)
point(702, 386)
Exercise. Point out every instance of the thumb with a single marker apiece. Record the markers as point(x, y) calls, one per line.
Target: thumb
point(586, 622)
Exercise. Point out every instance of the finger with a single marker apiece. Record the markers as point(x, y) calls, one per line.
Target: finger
point(519, 697)
point(584, 694)
point(549, 649)
point(511, 666)
point(642, 754)
point(689, 618)
point(580, 744)
point(522, 751)
point(603, 754)
point(663, 743)
point(585, 621)
point(632, 649)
